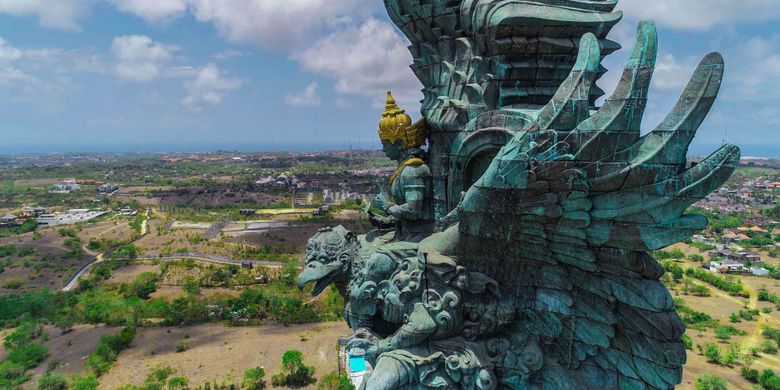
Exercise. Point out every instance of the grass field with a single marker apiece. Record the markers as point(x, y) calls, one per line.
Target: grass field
point(220, 353)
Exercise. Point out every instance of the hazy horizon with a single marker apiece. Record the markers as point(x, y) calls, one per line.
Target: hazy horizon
point(697, 150)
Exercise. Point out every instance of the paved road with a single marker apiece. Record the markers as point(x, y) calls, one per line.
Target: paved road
point(214, 259)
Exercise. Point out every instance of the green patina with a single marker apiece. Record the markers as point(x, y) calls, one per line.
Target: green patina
point(538, 273)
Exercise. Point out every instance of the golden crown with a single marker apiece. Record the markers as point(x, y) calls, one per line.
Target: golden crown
point(396, 125)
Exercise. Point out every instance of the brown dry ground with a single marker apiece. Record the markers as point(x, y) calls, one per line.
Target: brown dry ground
point(129, 272)
point(117, 230)
point(217, 352)
point(51, 243)
point(194, 196)
point(172, 292)
point(69, 351)
point(36, 182)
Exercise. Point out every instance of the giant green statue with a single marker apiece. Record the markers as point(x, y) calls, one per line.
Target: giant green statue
point(546, 206)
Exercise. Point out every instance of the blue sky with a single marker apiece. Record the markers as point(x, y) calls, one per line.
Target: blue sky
point(200, 75)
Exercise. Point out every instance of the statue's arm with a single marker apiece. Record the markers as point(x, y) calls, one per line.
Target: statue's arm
point(414, 192)
point(415, 330)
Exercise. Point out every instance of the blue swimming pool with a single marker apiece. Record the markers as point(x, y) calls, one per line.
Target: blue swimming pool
point(357, 364)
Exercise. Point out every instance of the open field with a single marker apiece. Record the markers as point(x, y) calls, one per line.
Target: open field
point(217, 352)
point(721, 306)
point(37, 262)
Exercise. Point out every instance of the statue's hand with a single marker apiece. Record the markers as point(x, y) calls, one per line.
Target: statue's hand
point(381, 222)
point(373, 352)
point(362, 341)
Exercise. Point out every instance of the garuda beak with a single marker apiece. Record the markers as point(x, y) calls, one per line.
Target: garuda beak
point(321, 275)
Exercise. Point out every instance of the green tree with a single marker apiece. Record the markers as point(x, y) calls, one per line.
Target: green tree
point(295, 372)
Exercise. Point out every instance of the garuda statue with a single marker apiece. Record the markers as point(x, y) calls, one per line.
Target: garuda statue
point(539, 274)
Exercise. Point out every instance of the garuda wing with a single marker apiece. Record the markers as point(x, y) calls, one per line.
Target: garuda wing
point(566, 213)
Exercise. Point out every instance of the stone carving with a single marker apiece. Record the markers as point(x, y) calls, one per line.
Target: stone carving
point(538, 275)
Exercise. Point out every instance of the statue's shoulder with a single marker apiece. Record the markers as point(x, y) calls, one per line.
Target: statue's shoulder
point(416, 168)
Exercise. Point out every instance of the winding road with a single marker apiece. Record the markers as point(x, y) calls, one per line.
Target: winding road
point(100, 257)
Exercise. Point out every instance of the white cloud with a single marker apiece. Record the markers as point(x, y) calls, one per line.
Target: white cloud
point(672, 75)
point(366, 61)
point(338, 39)
point(10, 75)
point(756, 75)
point(208, 87)
point(153, 11)
point(701, 14)
point(271, 24)
point(278, 24)
point(306, 98)
point(139, 58)
point(228, 54)
point(59, 14)
point(8, 52)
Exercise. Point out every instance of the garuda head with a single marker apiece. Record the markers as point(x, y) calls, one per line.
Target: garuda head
point(329, 256)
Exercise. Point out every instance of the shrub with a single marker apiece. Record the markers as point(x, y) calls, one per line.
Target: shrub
point(254, 379)
point(182, 346)
point(13, 284)
point(178, 382)
point(23, 334)
point(696, 258)
point(278, 380)
point(129, 251)
point(725, 332)
point(333, 381)
point(11, 372)
point(700, 291)
point(769, 346)
point(52, 381)
point(28, 355)
point(65, 232)
point(750, 374)
point(711, 382)
point(107, 350)
point(712, 352)
point(87, 382)
point(687, 341)
point(772, 334)
point(769, 380)
point(38, 304)
point(94, 244)
point(142, 286)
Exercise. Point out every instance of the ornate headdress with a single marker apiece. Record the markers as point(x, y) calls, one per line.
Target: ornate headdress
point(396, 125)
